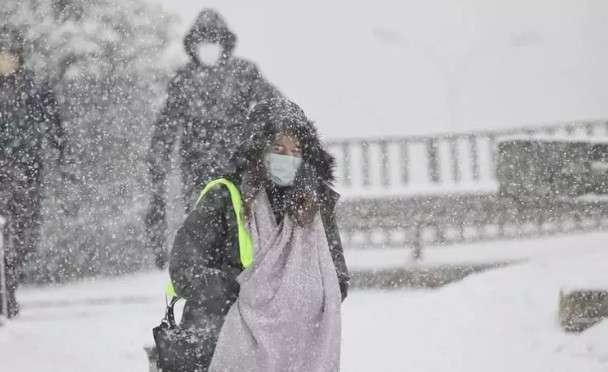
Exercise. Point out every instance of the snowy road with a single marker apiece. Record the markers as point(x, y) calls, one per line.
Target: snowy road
point(504, 320)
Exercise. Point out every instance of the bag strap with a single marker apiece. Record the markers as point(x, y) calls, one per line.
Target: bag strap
point(170, 313)
point(245, 243)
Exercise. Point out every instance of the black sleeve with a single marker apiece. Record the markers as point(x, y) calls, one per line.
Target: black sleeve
point(261, 89)
point(332, 233)
point(196, 263)
point(159, 162)
point(165, 132)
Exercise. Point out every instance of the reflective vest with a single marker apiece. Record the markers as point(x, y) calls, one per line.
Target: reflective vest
point(245, 244)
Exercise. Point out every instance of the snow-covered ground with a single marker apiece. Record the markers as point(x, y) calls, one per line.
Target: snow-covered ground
point(481, 252)
point(504, 320)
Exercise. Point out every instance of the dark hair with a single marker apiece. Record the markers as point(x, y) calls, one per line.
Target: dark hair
point(265, 121)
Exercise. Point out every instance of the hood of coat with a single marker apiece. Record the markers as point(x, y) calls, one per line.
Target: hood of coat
point(209, 27)
point(279, 115)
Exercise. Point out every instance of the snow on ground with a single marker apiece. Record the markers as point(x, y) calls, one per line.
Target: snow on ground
point(504, 320)
point(481, 252)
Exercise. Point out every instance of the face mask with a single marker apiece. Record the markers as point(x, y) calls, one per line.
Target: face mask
point(282, 168)
point(8, 64)
point(210, 54)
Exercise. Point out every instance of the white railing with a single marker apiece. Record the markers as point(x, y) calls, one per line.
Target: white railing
point(444, 163)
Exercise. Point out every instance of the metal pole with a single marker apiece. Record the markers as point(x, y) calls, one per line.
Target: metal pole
point(493, 150)
point(405, 174)
point(455, 161)
point(417, 243)
point(346, 164)
point(432, 154)
point(474, 157)
point(365, 168)
point(385, 166)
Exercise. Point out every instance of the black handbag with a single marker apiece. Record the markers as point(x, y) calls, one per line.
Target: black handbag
point(181, 349)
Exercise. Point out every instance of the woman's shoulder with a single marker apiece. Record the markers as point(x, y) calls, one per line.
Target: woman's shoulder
point(218, 194)
point(215, 196)
point(208, 208)
point(328, 199)
point(328, 191)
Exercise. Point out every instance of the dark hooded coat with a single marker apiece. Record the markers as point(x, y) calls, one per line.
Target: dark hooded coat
point(207, 106)
point(28, 118)
point(204, 262)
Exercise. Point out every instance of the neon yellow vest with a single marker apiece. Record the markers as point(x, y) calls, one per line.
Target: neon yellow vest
point(245, 244)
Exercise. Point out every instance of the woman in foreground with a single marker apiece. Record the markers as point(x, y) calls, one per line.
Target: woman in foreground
point(277, 298)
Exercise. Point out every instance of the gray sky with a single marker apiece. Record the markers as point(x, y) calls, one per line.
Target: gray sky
point(372, 68)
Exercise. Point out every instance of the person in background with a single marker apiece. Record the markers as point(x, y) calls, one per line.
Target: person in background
point(207, 103)
point(280, 311)
point(28, 117)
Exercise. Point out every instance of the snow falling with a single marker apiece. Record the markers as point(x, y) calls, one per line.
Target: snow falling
point(468, 143)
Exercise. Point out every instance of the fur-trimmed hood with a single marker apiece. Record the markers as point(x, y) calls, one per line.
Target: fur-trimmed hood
point(312, 189)
point(268, 118)
point(209, 27)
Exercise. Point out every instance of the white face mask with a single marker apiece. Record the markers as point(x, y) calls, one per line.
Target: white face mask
point(210, 54)
point(9, 63)
point(282, 168)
